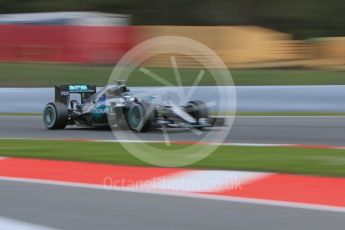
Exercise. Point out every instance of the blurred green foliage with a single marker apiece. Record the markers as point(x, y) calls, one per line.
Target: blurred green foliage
point(304, 18)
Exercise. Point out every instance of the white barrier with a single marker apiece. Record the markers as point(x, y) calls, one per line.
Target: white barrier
point(249, 98)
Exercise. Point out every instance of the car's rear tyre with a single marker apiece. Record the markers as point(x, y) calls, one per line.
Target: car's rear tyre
point(138, 119)
point(198, 110)
point(55, 115)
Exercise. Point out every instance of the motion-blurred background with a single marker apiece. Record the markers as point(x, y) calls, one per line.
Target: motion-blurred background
point(246, 33)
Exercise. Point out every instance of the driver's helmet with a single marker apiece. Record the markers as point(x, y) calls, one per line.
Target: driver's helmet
point(117, 90)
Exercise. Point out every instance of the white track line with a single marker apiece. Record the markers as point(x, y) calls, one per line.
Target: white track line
point(180, 142)
point(189, 195)
point(11, 224)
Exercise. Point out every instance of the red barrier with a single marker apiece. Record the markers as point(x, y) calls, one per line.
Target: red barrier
point(78, 44)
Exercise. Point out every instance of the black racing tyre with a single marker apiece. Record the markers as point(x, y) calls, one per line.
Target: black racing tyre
point(138, 119)
point(198, 110)
point(55, 115)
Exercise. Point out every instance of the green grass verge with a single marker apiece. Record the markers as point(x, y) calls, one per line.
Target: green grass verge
point(325, 162)
point(20, 114)
point(44, 74)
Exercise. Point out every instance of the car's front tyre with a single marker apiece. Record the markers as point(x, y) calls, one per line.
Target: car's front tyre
point(55, 115)
point(198, 109)
point(138, 118)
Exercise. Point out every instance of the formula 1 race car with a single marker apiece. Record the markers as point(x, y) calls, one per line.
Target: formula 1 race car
point(116, 107)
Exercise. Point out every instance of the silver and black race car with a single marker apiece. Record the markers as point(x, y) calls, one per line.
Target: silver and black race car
point(116, 107)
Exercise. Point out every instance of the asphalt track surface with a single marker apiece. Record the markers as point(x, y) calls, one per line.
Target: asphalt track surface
point(327, 130)
point(81, 208)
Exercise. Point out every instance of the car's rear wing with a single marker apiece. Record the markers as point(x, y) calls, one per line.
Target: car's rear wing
point(62, 92)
